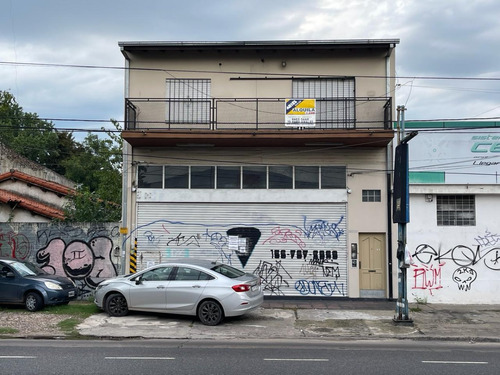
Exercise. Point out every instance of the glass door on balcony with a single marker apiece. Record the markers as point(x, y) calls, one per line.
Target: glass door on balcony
point(188, 101)
point(335, 102)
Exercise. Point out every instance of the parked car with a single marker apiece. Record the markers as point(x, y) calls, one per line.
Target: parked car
point(25, 283)
point(202, 288)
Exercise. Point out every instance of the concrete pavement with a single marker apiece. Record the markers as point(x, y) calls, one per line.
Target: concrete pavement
point(312, 318)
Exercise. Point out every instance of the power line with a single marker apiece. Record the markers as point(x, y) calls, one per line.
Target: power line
point(291, 75)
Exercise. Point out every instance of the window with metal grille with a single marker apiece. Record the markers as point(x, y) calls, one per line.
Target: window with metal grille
point(371, 196)
point(337, 113)
point(188, 101)
point(456, 210)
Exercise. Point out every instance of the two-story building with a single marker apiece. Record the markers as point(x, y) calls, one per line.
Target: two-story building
point(273, 156)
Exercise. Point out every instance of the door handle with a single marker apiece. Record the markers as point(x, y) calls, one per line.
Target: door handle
point(160, 287)
point(196, 286)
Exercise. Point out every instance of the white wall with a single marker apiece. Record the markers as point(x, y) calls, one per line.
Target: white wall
point(454, 264)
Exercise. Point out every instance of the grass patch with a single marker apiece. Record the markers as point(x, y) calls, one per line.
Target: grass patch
point(78, 309)
point(8, 331)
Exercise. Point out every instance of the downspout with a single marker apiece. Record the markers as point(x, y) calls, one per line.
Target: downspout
point(389, 157)
point(125, 176)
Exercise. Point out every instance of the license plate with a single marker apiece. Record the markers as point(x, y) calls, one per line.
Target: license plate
point(71, 294)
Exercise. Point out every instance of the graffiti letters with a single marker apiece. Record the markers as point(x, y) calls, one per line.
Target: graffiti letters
point(323, 229)
point(427, 277)
point(319, 288)
point(272, 276)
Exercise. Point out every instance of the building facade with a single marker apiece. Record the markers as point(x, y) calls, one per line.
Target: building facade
point(274, 157)
point(453, 233)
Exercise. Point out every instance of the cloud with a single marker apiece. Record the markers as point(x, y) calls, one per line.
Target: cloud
point(443, 39)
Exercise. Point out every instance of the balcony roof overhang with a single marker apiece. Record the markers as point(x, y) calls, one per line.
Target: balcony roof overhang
point(269, 45)
point(260, 138)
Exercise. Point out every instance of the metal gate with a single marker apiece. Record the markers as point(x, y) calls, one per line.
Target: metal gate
point(297, 249)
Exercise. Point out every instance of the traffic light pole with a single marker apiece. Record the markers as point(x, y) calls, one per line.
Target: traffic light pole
point(401, 216)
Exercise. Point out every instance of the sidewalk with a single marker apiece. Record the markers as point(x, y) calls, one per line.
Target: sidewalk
point(358, 319)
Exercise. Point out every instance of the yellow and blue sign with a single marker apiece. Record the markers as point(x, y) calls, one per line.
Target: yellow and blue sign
point(300, 112)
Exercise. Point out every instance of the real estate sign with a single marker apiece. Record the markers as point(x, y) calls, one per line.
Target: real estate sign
point(300, 112)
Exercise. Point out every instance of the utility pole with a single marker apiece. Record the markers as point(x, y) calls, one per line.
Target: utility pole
point(401, 214)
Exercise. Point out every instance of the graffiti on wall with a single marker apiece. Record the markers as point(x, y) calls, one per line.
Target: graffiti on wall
point(465, 264)
point(299, 259)
point(82, 254)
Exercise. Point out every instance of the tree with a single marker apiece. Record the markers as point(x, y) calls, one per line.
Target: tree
point(26, 134)
point(98, 169)
point(95, 164)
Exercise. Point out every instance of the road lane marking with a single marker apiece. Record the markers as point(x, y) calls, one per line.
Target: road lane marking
point(17, 357)
point(140, 358)
point(457, 362)
point(298, 359)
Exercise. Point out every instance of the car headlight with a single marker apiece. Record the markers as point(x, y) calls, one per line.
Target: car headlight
point(51, 285)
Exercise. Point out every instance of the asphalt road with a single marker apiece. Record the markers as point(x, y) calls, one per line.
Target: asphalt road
point(41, 357)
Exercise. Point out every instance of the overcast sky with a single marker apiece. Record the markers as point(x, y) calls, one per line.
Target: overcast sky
point(449, 39)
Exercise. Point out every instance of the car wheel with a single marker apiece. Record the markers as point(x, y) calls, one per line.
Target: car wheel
point(116, 305)
point(33, 301)
point(210, 313)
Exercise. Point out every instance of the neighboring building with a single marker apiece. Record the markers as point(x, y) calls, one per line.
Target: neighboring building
point(30, 192)
point(453, 232)
point(274, 156)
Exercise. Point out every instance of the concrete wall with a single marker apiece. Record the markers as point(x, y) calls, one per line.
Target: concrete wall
point(86, 253)
point(454, 264)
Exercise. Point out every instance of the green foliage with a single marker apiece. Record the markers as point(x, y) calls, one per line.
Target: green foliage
point(25, 133)
point(95, 164)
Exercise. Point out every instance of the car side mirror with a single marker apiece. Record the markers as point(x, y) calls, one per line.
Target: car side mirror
point(10, 275)
point(138, 281)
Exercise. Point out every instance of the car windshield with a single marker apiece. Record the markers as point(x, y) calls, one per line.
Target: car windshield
point(28, 269)
point(228, 271)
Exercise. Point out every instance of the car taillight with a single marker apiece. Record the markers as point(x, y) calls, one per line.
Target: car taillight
point(241, 288)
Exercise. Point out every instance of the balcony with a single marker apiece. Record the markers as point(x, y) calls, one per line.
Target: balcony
point(152, 122)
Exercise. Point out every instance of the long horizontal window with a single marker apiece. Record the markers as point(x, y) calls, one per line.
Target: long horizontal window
point(241, 177)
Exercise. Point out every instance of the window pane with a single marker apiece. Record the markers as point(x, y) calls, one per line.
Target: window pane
point(371, 196)
point(280, 177)
point(254, 177)
point(456, 210)
point(306, 177)
point(333, 178)
point(150, 177)
point(202, 177)
point(176, 177)
point(228, 178)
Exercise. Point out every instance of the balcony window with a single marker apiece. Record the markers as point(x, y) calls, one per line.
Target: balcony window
point(188, 101)
point(281, 177)
point(306, 177)
point(335, 100)
point(202, 177)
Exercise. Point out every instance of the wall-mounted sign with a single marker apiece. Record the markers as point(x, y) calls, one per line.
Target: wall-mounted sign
point(300, 112)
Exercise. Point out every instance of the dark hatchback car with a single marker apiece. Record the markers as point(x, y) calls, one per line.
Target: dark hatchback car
point(27, 284)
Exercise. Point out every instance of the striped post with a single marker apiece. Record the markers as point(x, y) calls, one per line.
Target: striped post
point(133, 258)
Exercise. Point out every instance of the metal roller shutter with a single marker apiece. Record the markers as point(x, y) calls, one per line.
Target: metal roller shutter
point(297, 249)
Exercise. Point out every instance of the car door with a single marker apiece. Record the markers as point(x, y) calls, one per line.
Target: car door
point(11, 286)
point(186, 289)
point(148, 290)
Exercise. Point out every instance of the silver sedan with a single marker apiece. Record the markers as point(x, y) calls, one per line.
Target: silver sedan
point(202, 288)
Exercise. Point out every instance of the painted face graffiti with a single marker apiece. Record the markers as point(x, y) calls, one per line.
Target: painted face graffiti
point(464, 277)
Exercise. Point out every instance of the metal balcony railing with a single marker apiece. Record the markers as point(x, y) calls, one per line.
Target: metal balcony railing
point(252, 113)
